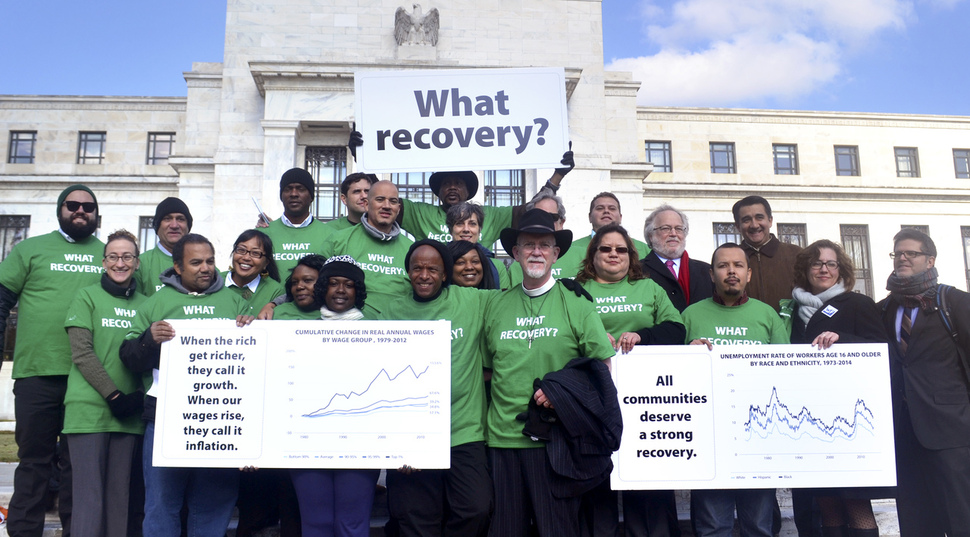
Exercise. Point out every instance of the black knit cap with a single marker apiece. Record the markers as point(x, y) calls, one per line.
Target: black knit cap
point(442, 250)
point(343, 266)
point(297, 175)
point(168, 206)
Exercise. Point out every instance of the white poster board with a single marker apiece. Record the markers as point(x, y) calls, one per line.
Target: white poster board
point(754, 417)
point(305, 394)
point(460, 119)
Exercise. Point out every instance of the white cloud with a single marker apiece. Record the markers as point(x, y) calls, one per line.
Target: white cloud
point(716, 53)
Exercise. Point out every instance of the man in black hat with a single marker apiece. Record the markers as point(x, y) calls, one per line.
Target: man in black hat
point(296, 233)
point(44, 272)
point(530, 330)
point(171, 222)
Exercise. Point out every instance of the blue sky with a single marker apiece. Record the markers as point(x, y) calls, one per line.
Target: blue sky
point(851, 55)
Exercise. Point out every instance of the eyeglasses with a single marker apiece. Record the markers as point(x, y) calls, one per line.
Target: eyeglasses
point(88, 206)
point(906, 254)
point(831, 265)
point(127, 258)
point(619, 249)
point(680, 230)
point(255, 254)
point(532, 246)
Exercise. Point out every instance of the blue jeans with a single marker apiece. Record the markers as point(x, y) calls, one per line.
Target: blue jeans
point(209, 492)
point(713, 511)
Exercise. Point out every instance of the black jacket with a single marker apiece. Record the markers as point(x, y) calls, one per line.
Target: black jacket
point(856, 320)
point(701, 285)
point(929, 381)
point(589, 426)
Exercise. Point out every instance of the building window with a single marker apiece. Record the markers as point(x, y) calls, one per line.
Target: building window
point(90, 147)
point(414, 186)
point(658, 154)
point(13, 229)
point(921, 228)
point(961, 162)
point(160, 146)
point(22, 145)
point(725, 232)
point(722, 157)
point(786, 159)
point(855, 240)
point(796, 234)
point(907, 162)
point(847, 160)
point(965, 232)
point(328, 166)
point(504, 187)
point(147, 239)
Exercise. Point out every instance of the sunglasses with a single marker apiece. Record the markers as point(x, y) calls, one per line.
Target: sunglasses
point(88, 206)
point(619, 249)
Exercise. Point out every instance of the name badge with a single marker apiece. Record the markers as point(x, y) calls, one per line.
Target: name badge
point(829, 311)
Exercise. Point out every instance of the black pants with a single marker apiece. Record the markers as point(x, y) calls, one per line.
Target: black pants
point(523, 495)
point(650, 513)
point(39, 410)
point(456, 501)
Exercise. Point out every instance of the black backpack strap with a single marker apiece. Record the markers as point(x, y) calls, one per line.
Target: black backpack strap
point(944, 311)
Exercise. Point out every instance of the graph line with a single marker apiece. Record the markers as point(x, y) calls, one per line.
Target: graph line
point(777, 417)
point(327, 411)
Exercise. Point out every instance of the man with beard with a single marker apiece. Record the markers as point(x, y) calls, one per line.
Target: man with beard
point(455, 501)
point(378, 244)
point(171, 222)
point(44, 273)
point(353, 194)
point(930, 381)
point(730, 311)
point(296, 233)
point(686, 280)
point(530, 330)
point(771, 261)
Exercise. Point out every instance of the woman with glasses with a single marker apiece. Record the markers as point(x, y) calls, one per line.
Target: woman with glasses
point(104, 400)
point(825, 311)
point(635, 311)
point(254, 274)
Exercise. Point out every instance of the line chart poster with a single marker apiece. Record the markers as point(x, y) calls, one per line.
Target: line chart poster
point(754, 417)
point(305, 394)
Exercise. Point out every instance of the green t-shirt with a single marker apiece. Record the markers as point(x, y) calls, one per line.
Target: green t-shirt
point(462, 306)
point(503, 273)
point(169, 303)
point(289, 311)
point(381, 261)
point(291, 244)
point(152, 264)
point(339, 224)
point(108, 318)
point(46, 272)
point(266, 290)
point(426, 221)
point(626, 307)
point(562, 326)
point(751, 323)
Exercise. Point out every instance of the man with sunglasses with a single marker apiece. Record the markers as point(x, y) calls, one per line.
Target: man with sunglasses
point(172, 221)
point(930, 386)
point(44, 273)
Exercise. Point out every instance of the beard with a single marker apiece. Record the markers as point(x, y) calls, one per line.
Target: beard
point(671, 253)
point(535, 272)
point(78, 231)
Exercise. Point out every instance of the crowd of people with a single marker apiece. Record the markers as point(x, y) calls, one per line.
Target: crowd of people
point(531, 353)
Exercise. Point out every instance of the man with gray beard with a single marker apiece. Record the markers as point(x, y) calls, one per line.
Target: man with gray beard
point(686, 280)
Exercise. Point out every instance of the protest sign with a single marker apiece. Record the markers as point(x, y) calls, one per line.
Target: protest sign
point(469, 119)
point(305, 394)
point(754, 416)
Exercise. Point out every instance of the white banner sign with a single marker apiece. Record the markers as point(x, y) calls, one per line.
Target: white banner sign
point(462, 119)
point(754, 417)
point(305, 394)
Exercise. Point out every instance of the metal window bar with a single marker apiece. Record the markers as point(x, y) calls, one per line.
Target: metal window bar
point(855, 241)
point(328, 166)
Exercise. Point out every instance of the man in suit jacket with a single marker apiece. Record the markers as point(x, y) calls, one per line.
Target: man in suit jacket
point(689, 280)
point(931, 399)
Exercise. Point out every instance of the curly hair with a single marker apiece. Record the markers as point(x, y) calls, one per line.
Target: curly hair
point(811, 253)
point(588, 271)
point(313, 261)
point(121, 234)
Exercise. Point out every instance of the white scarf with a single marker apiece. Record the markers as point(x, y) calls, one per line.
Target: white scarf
point(352, 314)
point(808, 303)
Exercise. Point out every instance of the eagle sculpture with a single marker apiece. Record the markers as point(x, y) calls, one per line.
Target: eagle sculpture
point(415, 28)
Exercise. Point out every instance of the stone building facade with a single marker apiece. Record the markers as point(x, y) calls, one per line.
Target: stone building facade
point(283, 96)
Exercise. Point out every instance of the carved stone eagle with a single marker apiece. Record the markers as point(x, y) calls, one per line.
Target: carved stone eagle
point(416, 28)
